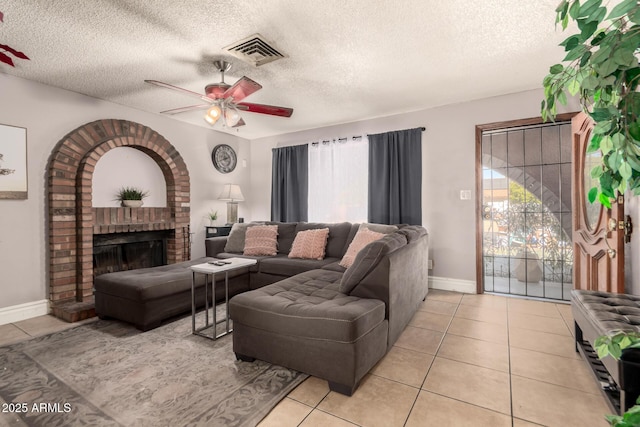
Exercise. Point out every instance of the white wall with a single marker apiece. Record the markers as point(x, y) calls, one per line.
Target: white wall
point(448, 155)
point(23, 229)
point(127, 167)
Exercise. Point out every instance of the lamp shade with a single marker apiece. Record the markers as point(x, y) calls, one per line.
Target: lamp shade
point(231, 193)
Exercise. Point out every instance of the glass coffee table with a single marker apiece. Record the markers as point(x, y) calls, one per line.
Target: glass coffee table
point(210, 269)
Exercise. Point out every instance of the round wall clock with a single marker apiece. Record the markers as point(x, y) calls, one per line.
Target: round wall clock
point(224, 158)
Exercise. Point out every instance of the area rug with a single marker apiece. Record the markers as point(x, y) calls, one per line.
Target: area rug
point(107, 373)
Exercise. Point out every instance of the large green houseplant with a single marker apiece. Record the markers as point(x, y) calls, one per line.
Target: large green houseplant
point(601, 67)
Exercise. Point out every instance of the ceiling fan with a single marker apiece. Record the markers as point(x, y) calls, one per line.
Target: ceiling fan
point(223, 100)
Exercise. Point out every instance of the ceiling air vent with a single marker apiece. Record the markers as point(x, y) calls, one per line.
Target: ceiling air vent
point(255, 50)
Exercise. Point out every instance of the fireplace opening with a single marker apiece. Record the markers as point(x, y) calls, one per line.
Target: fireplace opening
point(129, 251)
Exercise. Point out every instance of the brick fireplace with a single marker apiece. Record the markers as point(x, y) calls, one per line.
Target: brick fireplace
point(73, 221)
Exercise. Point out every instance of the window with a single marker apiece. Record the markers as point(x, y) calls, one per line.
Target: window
point(338, 180)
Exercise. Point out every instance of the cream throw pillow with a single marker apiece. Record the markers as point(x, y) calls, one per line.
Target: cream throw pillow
point(310, 244)
point(363, 237)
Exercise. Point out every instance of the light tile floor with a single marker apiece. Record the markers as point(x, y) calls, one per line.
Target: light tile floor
point(12, 333)
point(464, 360)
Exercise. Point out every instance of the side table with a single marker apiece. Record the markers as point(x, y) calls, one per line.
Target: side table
point(216, 231)
point(210, 269)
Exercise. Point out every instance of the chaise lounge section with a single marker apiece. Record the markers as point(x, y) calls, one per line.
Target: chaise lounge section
point(147, 296)
point(336, 323)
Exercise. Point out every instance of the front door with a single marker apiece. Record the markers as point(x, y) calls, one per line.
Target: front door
point(598, 237)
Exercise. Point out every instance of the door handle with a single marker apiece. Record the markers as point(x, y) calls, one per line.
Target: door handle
point(627, 225)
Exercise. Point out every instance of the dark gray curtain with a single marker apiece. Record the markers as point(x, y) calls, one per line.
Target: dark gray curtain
point(289, 183)
point(395, 177)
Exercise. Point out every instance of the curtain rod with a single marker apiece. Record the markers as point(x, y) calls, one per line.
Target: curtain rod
point(345, 139)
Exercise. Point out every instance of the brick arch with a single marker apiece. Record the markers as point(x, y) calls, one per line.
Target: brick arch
point(73, 220)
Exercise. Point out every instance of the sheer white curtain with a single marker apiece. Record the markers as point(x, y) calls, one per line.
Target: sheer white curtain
point(338, 180)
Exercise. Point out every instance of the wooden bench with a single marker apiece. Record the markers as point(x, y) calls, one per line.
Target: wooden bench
point(601, 313)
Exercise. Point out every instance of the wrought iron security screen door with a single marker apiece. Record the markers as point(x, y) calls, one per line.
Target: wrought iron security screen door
point(526, 216)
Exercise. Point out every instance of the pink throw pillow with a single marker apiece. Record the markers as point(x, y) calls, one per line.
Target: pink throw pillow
point(261, 240)
point(310, 244)
point(363, 237)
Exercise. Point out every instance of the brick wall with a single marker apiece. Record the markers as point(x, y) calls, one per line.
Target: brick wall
point(73, 220)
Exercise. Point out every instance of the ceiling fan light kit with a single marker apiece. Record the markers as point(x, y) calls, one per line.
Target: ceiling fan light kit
point(223, 100)
point(213, 114)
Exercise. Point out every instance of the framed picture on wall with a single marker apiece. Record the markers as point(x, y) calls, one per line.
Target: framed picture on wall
point(13, 162)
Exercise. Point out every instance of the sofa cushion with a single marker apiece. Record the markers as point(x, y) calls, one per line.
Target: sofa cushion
point(338, 233)
point(145, 284)
point(237, 235)
point(379, 228)
point(308, 305)
point(334, 266)
point(286, 234)
point(363, 237)
point(261, 240)
point(412, 232)
point(310, 244)
point(282, 265)
point(368, 258)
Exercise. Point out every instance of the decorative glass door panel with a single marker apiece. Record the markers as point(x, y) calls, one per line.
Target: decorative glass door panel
point(526, 211)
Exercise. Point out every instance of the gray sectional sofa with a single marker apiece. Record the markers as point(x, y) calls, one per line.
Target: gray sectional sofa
point(311, 315)
point(317, 317)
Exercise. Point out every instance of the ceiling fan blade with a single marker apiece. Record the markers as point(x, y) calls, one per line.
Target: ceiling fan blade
point(178, 89)
point(272, 110)
point(241, 89)
point(185, 109)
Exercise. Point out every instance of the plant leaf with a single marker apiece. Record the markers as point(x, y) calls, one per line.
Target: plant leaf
point(606, 145)
point(589, 83)
point(556, 69)
point(625, 7)
point(598, 15)
point(587, 29)
point(607, 67)
point(588, 8)
point(592, 198)
point(618, 140)
point(625, 172)
point(574, 10)
point(562, 98)
point(573, 87)
point(625, 57)
point(633, 161)
point(576, 53)
point(604, 201)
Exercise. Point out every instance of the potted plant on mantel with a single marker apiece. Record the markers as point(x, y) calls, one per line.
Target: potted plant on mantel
point(131, 197)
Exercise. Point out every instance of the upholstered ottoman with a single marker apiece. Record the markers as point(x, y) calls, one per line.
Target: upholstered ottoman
point(601, 313)
point(147, 296)
point(306, 324)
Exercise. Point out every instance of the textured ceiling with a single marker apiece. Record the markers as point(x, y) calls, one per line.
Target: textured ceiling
point(347, 60)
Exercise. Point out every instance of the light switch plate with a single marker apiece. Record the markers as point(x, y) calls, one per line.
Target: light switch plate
point(465, 194)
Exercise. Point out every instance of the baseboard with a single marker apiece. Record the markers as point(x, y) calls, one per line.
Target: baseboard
point(456, 285)
point(15, 313)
